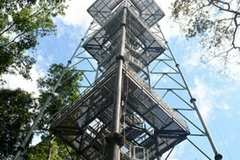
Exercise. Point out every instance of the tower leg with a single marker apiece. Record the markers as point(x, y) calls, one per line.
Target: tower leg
point(112, 139)
point(157, 147)
point(218, 157)
point(115, 139)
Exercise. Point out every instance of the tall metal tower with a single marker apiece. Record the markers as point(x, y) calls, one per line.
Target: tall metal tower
point(137, 105)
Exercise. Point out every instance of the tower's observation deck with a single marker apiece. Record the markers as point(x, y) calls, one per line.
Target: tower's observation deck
point(142, 46)
point(147, 119)
point(147, 10)
point(149, 127)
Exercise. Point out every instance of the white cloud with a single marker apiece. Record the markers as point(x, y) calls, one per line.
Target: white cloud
point(209, 98)
point(43, 60)
point(191, 61)
point(203, 94)
point(176, 153)
point(168, 26)
point(77, 14)
point(17, 81)
point(40, 58)
point(214, 68)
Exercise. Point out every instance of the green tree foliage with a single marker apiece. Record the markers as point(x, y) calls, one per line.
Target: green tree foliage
point(65, 94)
point(59, 151)
point(17, 108)
point(21, 23)
point(215, 22)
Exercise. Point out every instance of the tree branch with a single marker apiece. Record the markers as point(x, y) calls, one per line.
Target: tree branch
point(7, 29)
point(200, 8)
point(235, 31)
point(23, 63)
point(223, 9)
point(234, 19)
point(224, 3)
point(13, 24)
point(13, 40)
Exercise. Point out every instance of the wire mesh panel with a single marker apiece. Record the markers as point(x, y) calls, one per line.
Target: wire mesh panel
point(101, 10)
point(139, 153)
point(124, 50)
point(149, 128)
point(147, 120)
point(142, 46)
point(147, 10)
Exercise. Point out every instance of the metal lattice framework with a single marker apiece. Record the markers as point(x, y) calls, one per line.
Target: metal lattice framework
point(135, 103)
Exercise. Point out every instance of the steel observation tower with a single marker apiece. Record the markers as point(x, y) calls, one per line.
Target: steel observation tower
point(138, 105)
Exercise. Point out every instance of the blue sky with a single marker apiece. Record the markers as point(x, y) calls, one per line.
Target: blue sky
point(217, 93)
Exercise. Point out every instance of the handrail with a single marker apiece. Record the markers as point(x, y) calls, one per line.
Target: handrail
point(155, 96)
point(65, 109)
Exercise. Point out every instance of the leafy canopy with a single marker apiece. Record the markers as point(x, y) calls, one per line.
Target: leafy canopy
point(63, 96)
point(21, 23)
point(51, 147)
point(17, 110)
point(215, 22)
point(59, 151)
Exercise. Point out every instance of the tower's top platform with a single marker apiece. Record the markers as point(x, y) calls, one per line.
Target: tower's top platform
point(147, 10)
point(142, 46)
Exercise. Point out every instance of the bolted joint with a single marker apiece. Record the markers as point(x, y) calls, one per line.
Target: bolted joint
point(158, 154)
point(51, 94)
point(193, 100)
point(20, 148)
point(120, 57)
point(218, 157)
point(123, 24)
point(114, 138)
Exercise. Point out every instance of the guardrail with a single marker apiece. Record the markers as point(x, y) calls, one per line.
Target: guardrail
point(155, 96)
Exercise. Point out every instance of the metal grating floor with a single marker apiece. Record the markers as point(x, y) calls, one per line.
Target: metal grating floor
point(147, 10)
point(142, 46)
point(85, 124)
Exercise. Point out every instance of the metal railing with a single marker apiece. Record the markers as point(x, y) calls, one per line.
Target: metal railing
point(156, 97)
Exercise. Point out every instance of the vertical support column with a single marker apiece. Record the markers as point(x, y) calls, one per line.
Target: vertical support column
point(218, 156)
point(34, 125)
point(157, 146)
point(115, 139)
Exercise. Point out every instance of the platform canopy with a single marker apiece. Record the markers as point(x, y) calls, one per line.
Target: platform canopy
point(147, 10)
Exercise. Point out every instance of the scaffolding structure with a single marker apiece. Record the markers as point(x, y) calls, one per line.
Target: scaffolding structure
point(134, 100)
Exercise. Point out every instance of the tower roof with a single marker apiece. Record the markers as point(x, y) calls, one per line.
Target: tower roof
point(147, 10)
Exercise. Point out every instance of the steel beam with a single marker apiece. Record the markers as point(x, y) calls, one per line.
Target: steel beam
point(114, 137)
